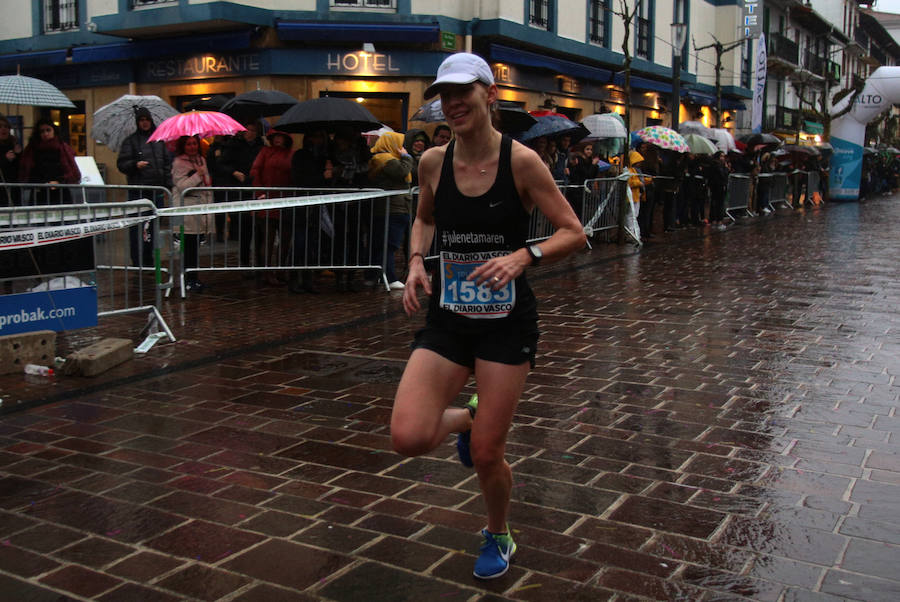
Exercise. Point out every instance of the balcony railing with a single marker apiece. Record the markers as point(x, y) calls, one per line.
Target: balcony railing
point(783, 48)
point(382, 5)
point(539, 14)
point(860, 37)
point(814, 63)
point(782, 118)
point(60, 15)
point(139, 3)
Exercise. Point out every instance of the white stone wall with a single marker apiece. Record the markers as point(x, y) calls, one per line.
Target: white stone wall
point(16, 21)
point(97, 8)
point(572, 20)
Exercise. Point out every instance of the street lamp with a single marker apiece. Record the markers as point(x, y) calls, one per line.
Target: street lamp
point(678, 32)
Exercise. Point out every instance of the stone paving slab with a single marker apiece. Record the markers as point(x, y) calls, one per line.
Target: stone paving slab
point(714, 417)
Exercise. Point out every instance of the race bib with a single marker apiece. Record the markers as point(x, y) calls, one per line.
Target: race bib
point(464, 297)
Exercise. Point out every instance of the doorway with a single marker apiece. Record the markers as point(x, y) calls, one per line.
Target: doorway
point(390, 108)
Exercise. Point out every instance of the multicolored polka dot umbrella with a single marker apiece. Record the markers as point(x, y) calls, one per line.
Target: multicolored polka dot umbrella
point(663, 137)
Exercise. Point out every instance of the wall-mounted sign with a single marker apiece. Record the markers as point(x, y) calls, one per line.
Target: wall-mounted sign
point(448, 40)
point(568, 85)
point(751, 18)
point(203, 66)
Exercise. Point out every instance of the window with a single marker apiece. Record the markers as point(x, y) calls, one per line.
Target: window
point(139, 3)
point(539, 13)
point(60, 15)
point(643, 30)
point(373, 5)
point(598, 21)
point(747, 64)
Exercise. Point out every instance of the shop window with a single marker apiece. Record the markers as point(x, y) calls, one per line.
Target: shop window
point(71, 124)
point(390, 108)
point(599, 22)
point(570, 112)
point(373, 5)
point(539, 13)
point(60, 15)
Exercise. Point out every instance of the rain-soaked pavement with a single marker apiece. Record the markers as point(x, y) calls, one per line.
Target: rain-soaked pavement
point(712, 418)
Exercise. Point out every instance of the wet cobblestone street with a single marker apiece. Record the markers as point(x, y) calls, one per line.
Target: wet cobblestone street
point(714, 417)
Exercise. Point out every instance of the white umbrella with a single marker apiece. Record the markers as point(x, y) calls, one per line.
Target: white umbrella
point(28, 91)
point(700, 145)
point(723, 139)
point(606, 125)
point(694, 127)
point(372, 135)
point(116, 121)
point(430, 112)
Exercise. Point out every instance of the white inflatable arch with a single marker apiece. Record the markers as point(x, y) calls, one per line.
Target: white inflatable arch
point(848, 131)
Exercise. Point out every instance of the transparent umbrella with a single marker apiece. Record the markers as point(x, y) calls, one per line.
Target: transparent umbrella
point(116, 121)
point(28, 91)
point(605, 125)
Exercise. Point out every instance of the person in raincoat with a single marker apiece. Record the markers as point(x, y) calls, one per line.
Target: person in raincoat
point(49, 160)
point(10, 150)
point(189, 170)
point(144, 163)
point(391, 169)
point(272, 169)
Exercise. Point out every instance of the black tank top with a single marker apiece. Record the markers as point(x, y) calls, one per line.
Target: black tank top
point(469, 231)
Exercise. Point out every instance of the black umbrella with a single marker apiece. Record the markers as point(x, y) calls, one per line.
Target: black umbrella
point(258, 103)
point(207, 103)
point(762, 139)
point(326, 113)
point(514, 118)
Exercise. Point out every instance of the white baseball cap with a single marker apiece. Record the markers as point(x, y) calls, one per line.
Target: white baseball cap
point(461, 68)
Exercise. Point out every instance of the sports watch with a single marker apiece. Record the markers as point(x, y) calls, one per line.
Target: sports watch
point(536, 254)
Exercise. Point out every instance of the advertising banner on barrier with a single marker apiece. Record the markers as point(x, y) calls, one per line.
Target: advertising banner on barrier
point(846, 170)
point(61, 309)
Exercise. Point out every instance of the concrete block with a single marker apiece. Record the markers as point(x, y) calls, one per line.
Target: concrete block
point(16, 350)
point(99, 357)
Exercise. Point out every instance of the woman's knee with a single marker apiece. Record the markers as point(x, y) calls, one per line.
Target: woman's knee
point(409, 442)
point(487, 456)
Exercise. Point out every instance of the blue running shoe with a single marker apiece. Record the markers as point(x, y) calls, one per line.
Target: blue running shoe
point(464, 439)
point(496, 552)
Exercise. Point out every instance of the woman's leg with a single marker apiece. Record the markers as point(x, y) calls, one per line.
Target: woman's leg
point(421, 418)
point(499, 388)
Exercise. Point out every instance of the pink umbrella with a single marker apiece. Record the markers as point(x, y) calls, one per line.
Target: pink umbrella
point(196, 123)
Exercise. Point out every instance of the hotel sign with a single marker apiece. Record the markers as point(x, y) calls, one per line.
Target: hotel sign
point(361, 63)
point(751, 18)
point(292, 62)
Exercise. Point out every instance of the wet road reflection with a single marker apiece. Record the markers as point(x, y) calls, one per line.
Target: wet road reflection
point(713, 418)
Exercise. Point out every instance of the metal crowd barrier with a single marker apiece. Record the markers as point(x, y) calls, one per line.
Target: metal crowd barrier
point(44, 247)
point(778, 189)
point(603, 198)
point(737, 195)
point(272, 231)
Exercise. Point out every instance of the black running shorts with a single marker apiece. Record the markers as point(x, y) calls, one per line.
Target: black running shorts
point(513, 345)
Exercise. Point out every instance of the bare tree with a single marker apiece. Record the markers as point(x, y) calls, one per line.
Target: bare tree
point(627, 15)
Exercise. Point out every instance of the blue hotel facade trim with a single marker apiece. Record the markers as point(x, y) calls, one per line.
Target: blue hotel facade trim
point(118, 61)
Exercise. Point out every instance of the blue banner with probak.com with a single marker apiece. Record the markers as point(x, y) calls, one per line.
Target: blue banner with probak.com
point(58, 310)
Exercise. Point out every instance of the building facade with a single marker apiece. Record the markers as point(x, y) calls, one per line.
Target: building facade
point(566, 54)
